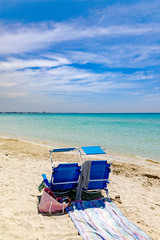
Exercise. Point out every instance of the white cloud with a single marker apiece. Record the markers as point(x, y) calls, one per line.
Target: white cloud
point(55, 74)
point(153, 97)
point(118, 56)
point(64, 79)
point(157, 88)
point(12, 94)
point(27, 38)
point(131, 93)
point(15, 63)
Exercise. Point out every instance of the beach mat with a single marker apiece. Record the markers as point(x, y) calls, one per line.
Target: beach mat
point(101, 219)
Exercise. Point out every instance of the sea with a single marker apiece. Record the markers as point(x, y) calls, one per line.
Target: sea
point(129, 134)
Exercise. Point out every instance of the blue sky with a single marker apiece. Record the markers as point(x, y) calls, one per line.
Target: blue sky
point(80, 56)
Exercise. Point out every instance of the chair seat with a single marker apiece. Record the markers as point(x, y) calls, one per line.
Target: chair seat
point(65, 176)
point(99, 175)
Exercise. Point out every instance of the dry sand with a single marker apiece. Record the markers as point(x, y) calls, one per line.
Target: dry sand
point(21, 166)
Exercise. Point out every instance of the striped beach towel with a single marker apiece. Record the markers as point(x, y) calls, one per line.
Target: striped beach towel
point(101, 219)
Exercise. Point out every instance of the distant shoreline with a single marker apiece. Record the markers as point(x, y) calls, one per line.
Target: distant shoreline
point(78, 113)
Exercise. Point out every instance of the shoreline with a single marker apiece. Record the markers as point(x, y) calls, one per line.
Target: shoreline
point(21, 165)
point(120, 135)
point(122, 157)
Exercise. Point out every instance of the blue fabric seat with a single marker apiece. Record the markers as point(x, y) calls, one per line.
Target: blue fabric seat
point(99, 175)
point(65, 176)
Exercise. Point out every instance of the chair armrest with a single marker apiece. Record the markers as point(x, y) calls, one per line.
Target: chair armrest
point(45, 180)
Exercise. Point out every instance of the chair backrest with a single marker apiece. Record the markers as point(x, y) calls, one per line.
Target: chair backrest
point(65, 176)
point(99, 174)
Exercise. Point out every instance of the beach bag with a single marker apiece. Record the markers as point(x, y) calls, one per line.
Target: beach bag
point(50, 204)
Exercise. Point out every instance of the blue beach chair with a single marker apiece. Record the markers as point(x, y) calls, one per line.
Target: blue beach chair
point(95, 173)
point(65, 176)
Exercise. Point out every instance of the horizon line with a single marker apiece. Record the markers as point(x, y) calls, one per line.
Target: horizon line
point(43, 112)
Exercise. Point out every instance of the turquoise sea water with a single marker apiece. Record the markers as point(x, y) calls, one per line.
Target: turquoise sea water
point(132, 134)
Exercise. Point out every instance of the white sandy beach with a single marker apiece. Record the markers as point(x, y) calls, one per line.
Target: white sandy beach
point(21, 166)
